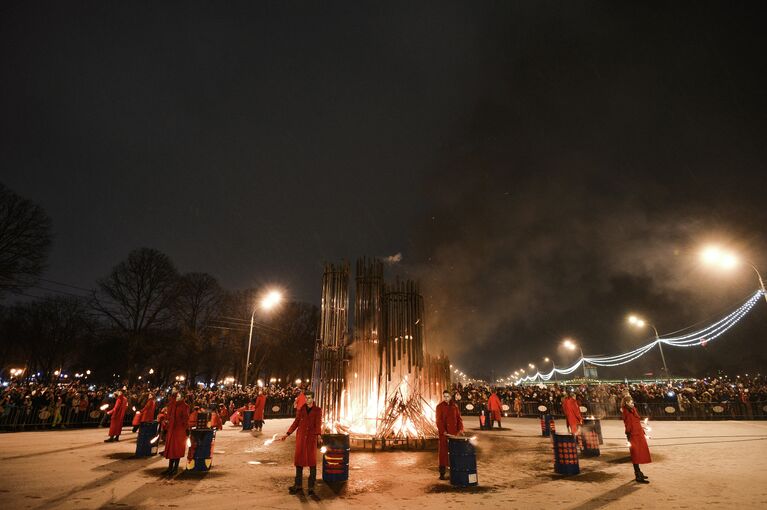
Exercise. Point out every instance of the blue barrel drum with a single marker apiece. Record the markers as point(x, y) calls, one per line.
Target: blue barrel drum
point(485, 419)
point(148, 437)
point(463, 462)
point(547, 425)
point(588, 441)
point(335, 460)
point(200, 456)
point(247, 420)
point(597, 423)
point(565, 454)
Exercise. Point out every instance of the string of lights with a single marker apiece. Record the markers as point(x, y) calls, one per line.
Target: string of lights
point(694, 339)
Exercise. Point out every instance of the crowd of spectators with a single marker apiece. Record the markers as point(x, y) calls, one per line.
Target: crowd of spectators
point(75, 403)
point(745, 393)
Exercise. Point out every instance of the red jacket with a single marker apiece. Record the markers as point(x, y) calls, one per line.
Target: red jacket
point(147, 412)
point(260, 404)
point(572, 414)
point(448, 422)
point(216, 422)
point(246, 407)
point(640, 452)
point(494, 406)
point(118, 413)
point(178, 420)
point(308, 424)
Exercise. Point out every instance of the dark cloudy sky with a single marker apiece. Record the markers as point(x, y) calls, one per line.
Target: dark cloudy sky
point(543, 168)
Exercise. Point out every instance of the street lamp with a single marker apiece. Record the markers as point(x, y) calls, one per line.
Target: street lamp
point(638, 322)
point(716, 256)
point(553, 367)
point(570, 345)
point(268, 302)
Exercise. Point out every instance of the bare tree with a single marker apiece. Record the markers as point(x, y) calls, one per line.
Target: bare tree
point(198, 297)
point(140, 291)
point(25, 240)
point(49, 331)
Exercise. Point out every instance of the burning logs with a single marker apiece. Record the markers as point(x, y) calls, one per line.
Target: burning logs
point(404, 416)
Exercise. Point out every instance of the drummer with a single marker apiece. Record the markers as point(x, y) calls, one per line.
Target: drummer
point(448, 423)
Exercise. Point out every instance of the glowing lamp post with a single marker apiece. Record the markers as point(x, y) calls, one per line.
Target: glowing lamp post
point(638, 322)
point(268, 303)
point(553, 367)
point(716, 256)
point(571, 346)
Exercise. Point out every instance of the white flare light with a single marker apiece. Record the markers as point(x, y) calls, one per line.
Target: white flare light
point(271, 299)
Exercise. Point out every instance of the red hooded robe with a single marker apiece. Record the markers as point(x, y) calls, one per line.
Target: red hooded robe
point(308, 425)
point(260, 405)
point(448, 422)
point(572, 414)
point(640, 452)
point(118, 413)
point(178, 420)
point(494, 406)
point(147, 412)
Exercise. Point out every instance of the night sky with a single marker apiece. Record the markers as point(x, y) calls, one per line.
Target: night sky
point(542, 168)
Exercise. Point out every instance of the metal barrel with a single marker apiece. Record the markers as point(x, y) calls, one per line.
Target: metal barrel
point(597, 423)
point(565, 454)
point(147, 431)
point(335, 460)
point(200, 457)
point(588, 441)
point(463, 462)
point(247, 420)
point(547, 425)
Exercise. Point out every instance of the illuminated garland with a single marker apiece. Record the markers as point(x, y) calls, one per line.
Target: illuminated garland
point(700, 337)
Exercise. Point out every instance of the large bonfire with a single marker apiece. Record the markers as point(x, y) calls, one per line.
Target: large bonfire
point(382, 383)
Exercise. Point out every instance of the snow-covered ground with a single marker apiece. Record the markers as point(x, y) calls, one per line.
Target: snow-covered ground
point(695, 465)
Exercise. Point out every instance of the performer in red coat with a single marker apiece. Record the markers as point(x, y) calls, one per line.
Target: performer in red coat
point(118, 413)
point(215, 419)
point(147, 412)
point(448, 422)
point(640, 452)
point(223, 412)
point(572, 412)
point(258, 415)
point(308, 425)
point(494, 406)
point(175, 437)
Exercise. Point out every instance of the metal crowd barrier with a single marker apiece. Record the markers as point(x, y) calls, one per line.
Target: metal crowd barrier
point(282, 409)
point(19, 418)
point(15, 418)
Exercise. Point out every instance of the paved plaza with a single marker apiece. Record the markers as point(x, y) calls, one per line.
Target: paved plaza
point(695, 464)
